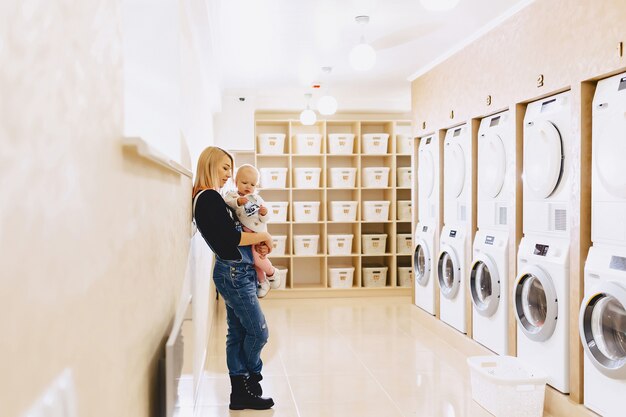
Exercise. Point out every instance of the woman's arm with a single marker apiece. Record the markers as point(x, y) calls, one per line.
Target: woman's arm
point(254, 238)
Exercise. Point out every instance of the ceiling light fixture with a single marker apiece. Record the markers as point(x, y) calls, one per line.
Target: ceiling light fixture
point(439, 5)
point(363, 56)
point(308, 116)
point(327, 104)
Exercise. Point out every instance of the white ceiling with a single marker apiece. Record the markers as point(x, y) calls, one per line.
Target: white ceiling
point(273, 50)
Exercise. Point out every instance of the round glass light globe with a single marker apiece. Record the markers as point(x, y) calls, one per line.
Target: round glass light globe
point(327, 105)
point(362, 57)
point(308, 117)
point(439, 5)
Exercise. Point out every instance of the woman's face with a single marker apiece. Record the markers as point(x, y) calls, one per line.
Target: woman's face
point(224, 170)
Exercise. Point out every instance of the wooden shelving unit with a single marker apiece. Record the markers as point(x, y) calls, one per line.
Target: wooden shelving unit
point(308, 275)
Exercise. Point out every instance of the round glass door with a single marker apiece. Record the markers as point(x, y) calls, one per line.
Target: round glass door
point(454, 168)
point(421, 263)
point(603, 330)
point(610, 153)
point(485, 286)
point(491, 164)
point(426, 172)
point(536, 304)
point(543, 158)
point(448, 272)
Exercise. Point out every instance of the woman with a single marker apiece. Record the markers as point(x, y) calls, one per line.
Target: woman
point(235, 279)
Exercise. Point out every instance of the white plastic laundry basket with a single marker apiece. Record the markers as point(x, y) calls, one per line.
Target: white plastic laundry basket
point(279, 245)
point(405, 276)
point(273, 177)
point(340, 244)
point(272, 143)
point(306, 211)
point(343, 211)
point(374, 276)
point(404, 144)
point(506, 387)
point(343, 177)
point(404, 177)
point(375, 177)
point(374, 244)
point(341, 276)
point(375, 143)
point(277, 211)
point(404, 244)
point(341, 143)
point(305, 244)
point(307, 177)
point(282, 272)
point(376, 211)
point(308, 144)
point(404, 210)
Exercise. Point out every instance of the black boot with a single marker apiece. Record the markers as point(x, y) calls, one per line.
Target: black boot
point(241, 398)
point(253, 384)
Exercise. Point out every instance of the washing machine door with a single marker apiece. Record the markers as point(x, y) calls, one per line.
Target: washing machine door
point(454, 169)
point(536, 304)
point(491, 164)
point(610, 153)
point(602, 327)
point(426, 172)
point(448, 272)
point(485, 285)
point(421, 262)
point(543, 158)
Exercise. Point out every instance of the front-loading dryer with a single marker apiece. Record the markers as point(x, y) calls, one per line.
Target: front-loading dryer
point(608, 178)
point(602, 327)
point(426, 237)
point(541, 289)
point(602, 318)
point(454, 248)
point(489, 271)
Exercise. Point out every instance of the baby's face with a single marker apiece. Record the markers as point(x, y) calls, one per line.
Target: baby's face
point(246, 182)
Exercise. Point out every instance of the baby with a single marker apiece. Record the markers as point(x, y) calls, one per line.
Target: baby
point(253, 215)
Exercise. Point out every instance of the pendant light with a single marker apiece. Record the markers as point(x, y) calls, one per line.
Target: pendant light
point(362, 56)
point(327, 104)
point(439, 5)
point(308, 116)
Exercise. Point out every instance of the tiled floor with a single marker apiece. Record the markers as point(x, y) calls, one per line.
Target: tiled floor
point(346, 357)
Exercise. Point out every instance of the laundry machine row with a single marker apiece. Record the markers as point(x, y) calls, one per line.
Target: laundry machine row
point(540, 295)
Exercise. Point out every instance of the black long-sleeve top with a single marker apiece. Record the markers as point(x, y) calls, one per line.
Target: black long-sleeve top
point(215, 222)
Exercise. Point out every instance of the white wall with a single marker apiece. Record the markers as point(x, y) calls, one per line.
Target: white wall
point(234, 125)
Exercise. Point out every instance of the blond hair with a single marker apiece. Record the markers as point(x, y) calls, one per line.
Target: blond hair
point(247, 167)
point(207, 172)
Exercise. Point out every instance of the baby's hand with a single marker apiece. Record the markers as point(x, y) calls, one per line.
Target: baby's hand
point(242, 200)
point(263, 210)
point(262, 249)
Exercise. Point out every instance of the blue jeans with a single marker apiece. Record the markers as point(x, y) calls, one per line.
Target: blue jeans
point(247, 330)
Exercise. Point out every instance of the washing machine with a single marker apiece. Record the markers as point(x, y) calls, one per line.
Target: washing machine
point(454, 247)
point(602, 319)
point(426, 237)
point(489, 272)
point(541, 289)
point(602, 327)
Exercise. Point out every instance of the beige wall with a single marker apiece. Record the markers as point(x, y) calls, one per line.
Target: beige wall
point(94, 239)
point(567, 42)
